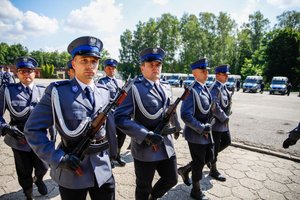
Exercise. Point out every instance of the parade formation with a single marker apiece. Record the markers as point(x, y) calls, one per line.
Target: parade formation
point(77, 127)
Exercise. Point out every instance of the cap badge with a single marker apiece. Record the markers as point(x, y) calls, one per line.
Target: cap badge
point(93, 41)
point(155, 50)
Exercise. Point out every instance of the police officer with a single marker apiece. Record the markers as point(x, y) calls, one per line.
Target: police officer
point(1, 74)
point(138, 116)
point(7, 77)
point(220, 130)
point(70, 70)
point(20, 99)
point(72, 103)
point(195, 110)
point(114, 85)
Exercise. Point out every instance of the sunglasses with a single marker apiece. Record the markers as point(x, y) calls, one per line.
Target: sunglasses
point(25, 71)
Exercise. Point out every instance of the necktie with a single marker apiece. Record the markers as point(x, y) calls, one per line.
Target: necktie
point(89, 94)
point(157, 88)
point(28, 90)
point(115, 82)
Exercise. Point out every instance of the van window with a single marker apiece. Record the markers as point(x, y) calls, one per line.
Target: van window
point(278, 82)
point(251, 80)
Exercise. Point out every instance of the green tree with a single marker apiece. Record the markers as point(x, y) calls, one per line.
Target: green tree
point(47, 71)
point(283, 55)
point(289, 19)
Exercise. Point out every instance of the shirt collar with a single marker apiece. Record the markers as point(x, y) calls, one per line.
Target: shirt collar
point(83, 86)
point(152, 82)
point(222, 84)
point(201, 84)
point(30, 85)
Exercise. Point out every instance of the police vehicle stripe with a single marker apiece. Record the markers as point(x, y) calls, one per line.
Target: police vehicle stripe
point(57, 111)
point(11, 109)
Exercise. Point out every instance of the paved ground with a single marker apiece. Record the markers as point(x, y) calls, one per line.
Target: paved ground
point(251, 174)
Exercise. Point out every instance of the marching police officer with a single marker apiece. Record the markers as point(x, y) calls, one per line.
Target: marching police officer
point(1, 74)
point(20, 99)
point(195, 110)
point(70, 70)
point(220, 129)
point(138, 116)
point(114, 85)
point(7, 77)
point(70, 105)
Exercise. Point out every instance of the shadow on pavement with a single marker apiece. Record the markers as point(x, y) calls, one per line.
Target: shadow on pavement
point(52, 192)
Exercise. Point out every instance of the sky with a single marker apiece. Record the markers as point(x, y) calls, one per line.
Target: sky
point(50, 25)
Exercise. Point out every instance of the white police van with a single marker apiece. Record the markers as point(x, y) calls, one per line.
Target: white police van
point(188, 80)
point(252, 84)
point(210, 80)
point(279, 85)
point(174, 80)
point(232, 80)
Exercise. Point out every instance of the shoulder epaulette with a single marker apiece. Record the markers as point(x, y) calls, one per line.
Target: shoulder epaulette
point(11, 84)
point(99, 85)
point(60, 83)
point(40, 85)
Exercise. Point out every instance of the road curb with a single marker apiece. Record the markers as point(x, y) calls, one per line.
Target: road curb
point(266, 151)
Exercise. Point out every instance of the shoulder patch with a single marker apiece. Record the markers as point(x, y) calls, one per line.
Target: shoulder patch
point(60, 83)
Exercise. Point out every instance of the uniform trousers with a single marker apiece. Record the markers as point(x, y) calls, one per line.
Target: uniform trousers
point(222, 141)
point(201, 154)
point(25, 162)
point(120, 138)
point(144, 171)
point(105, 192)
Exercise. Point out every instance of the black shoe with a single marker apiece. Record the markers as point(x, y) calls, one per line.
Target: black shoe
point(112, 164)
point(42, 188)
point(216, 175)
point(120, 161)
point(208, 165)
point(185, 176)
point(196, 194)
point(28, 194)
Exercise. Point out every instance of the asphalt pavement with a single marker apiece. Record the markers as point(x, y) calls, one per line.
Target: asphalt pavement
point(252, 170)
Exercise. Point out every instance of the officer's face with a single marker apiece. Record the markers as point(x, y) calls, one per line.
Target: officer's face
point(71, 73)
point(109, 71)
point(26, 75)
point(151, 70)
point(85, 67)
point(200, 75)
point(222, 77)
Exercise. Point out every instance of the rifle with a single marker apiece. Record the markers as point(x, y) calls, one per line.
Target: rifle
point(228, 109)
point(160, 128)
point(211, 116)
point(18, 135)
point(95, 125)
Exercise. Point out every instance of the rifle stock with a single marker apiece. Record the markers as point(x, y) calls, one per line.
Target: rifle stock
point(98, 122)
point(170, 111)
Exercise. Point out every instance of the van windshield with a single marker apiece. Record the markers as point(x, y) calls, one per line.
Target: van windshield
point(230, 80)
point(190, 78)
point(278, 82)
point(210, 78)
point(251, 80)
